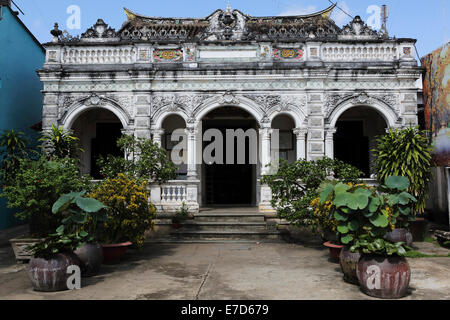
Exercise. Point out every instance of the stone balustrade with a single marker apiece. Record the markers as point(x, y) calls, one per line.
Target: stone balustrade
point(169, 197)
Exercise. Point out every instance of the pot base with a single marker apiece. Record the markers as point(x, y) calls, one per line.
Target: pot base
point(112, 253)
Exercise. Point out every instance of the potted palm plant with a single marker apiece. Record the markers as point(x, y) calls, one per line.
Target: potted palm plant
point(82, 214)
point(407, 153)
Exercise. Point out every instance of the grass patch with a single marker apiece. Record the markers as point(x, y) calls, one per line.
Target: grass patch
point(430, 240)
point(417, 255)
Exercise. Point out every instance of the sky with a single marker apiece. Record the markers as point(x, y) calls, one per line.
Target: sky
point(426, 21)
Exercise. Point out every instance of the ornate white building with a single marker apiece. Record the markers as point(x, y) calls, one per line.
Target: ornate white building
point(329, 91)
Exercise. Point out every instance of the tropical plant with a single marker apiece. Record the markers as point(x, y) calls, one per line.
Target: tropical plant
point(38, 185)
point(181, 214)
point(129, 214)
point(53, 244)
point(59, 143)
point(406, 152)
point(294, 186)
point(79, 216)
point(145, 160)
point(13, 147)
point(379, 247)
point(365, 211)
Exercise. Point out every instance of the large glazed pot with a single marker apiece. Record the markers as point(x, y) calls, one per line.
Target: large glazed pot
point(112, 253)
point(349, 261)
point(335, 250)
point(400, 235)
point(384, 277)
point(51, 275)
point(91, 259)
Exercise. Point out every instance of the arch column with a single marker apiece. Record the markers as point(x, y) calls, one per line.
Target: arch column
point(192, 133)
point(329, 142)
point(301, 134)
point(265, 136)
point(157, 136)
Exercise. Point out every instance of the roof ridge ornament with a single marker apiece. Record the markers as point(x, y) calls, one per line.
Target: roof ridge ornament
point(358, 29)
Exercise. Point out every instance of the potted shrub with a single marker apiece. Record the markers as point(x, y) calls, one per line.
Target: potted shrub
point(37, 186)
point(47, 269)
point(363, 211)
point(295, 185)
point(80, 214)
point(383, 271)
point(407, 152)
point(128, 216)
point(180, 216)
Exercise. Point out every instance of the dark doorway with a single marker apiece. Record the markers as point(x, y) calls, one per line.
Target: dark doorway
point(351, 146)
point(230, 184)
point(105, 144)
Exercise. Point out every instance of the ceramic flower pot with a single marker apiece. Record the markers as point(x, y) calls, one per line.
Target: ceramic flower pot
point(20, 248)
point(91, 259)
point(400, 235)
point(335, 250)
point(112, 253)
point(349, 261)
point(51, 275)
point(383, 277)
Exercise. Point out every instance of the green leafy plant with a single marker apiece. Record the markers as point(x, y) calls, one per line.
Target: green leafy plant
point(379, 247)
point(54, 244)
point(59, 143)
point(295, 186)
point(80, 216)
point(367, 211)
point(38, 185)
point(129, 214)
point(407, 153)
point(181, 214)
point(13, 147)
point(144, 160)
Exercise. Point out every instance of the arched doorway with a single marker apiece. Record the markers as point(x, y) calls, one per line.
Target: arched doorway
point(170, 124)
point(287, 144)
point(232, 181)
point(98, 131)
point(357, 129)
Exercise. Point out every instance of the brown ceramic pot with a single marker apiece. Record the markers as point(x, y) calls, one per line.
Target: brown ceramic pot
point(349, 261)
point(400, 235)
point(335, 250)
point(112, 253)
point(383, 277)
point(51, 275)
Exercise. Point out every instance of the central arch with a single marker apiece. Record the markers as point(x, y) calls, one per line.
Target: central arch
point(231, 182)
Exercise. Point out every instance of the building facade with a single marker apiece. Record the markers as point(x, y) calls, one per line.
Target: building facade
point(20, 88)
point(328, 90)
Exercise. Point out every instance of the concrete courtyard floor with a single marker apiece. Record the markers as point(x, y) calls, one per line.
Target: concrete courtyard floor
point(223, 271)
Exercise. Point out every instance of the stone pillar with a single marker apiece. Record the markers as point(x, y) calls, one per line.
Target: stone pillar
point(157, 136)
point(192, 153)
point(329, 142)
point(265, 136)
point(301, 143)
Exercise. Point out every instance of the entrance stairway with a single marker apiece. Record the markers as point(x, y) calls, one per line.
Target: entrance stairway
point(226, 224)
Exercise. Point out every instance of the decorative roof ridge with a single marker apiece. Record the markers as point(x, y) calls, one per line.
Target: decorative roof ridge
point(326, 13)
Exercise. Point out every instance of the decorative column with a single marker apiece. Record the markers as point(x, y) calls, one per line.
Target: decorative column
point(265, 136)
point(157, 136)
point(301, 143)
point(192, 152)
point(329, 142)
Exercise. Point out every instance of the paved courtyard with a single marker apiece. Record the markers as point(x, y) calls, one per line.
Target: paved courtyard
point(223, 271)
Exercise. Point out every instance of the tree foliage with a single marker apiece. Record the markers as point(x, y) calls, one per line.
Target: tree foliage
point(406, 152)
point(295, 186)
point(144, 160)
point(13, 147)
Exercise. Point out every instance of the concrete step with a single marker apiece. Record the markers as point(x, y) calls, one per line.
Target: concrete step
point(229, 217)
point(227, 235)
point(224, 226)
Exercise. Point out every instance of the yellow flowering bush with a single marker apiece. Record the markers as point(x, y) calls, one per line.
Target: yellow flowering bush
point(129, 213)
point(323, 216)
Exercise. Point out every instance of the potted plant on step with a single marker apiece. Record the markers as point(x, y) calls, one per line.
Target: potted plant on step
point(128, 216)
point(181, 215)
point(407, 152)
point(80, 214)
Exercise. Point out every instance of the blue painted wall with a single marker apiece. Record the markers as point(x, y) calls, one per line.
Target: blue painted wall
point(20, 87)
